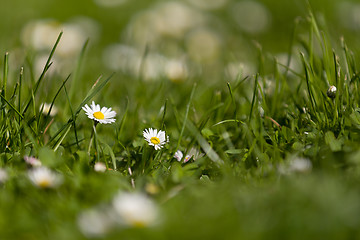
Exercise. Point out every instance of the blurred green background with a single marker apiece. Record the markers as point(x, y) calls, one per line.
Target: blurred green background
point(168, 28)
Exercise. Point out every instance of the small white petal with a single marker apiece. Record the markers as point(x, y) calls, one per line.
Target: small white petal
point(108, 114)
point(154, 133)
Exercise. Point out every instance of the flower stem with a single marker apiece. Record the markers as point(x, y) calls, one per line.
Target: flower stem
point(92, 137)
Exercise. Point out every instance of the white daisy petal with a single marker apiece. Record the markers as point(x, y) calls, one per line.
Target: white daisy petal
point(43, 177)
point(102, 115)
point(154, 137)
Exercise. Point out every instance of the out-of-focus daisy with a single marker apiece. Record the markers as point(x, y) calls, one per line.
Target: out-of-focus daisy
point(193, 153)
point(45, 108)
point(32, 161)
point(95, 223)
point(99, 167)
point(296, 165)
point(135, 209)
point(151, 188)
point(44, 178)
point(102, 115)
point(178, 155)
point(155, 138)
point(300, 165)
point(3, 175)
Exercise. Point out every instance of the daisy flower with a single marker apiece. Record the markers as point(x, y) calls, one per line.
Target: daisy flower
point(3, 175)
point(155, 138)
point(331, 92)
point(32, 161)
point(43, 177)
point(193, 153)
point(178, 155)
point(45, 107)
point(99, 167)
point(102, 115)
point(135, 209)
point(95, 222)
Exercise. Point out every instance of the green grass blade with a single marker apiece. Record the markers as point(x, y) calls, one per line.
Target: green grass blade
point(46, 68)
point(186, 116)
point(5, 74)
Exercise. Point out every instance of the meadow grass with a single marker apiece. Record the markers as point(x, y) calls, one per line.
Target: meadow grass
point(273, 156)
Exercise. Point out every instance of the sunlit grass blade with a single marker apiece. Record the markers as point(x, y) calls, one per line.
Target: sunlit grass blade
point(5, 74)
point(203, 143)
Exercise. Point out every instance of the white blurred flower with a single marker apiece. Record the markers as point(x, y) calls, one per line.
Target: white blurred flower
point(296, 165)
point(239, 70)
point(168, 19)
point(203, 45)
point(110, 3)
point(178, 155)
point(124, 57)
point(300, 165)
point(72, 40)
point(251, 16)
point(44, 178)
point(32, 161)
point(208, 5)
point(176, 70)
point(100, 167)
point(41, 34)
point(135, 209)
point(40, 61)
point(176, 18)
point(131, 61)
point(156, 138)
point(94, 222)
point(46, 108)
point(3, 175)
point(104, 115)
point(192, 154)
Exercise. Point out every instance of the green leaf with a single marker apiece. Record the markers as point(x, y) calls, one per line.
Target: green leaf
point(334, 144)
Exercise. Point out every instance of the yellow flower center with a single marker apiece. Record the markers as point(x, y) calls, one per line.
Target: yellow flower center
point(155, 140)
point(138, 224)
point(98, 115)
point(44, 183)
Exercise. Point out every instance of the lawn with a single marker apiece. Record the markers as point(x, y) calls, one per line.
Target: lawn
point(217, 119)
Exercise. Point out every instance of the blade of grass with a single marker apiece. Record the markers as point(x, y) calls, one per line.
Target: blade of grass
point(72, 115)
point(53, 101)
point(12, 107)
point(5, 74)
point(76, 76)
point(186, 116)
point(203, 143)
point(233, 101)
point(254, 96)
point(164, 114)
point(46, 68)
